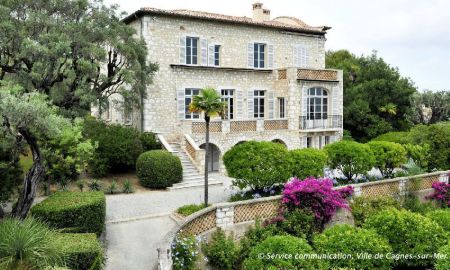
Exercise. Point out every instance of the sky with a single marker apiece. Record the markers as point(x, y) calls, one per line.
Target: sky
point(412, 35)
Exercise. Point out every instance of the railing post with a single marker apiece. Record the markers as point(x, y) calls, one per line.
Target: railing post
point(224, 216)
point(402, 187)
point(225, 127)
point(260, 125)
point(357, 192)
point(444, 178)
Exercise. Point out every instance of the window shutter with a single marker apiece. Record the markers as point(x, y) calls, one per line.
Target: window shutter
point(304, 101)
point(335, 101)
point(211, 55)
point(270, 101)
point(305, 142)
point(204, 46)
point(250, 102)
point(250, 55)
point(180, 103)
point(301, 56)
point(270, 56)
point(182, 50)
point(239, 104)
point(295, 53)
point(305, 55)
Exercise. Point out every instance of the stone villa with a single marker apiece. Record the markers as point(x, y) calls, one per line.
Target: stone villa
point(271, 72)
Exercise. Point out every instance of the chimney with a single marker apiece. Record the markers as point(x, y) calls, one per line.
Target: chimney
point(260, 14)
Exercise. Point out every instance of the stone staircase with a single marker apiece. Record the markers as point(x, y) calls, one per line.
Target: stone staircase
point(191, 176)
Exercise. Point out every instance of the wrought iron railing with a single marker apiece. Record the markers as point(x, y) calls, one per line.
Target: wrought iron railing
point(332, 121)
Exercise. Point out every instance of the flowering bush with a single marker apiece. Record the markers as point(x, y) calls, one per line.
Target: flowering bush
point(441, 193)
point(184, 252)
point(317, 195)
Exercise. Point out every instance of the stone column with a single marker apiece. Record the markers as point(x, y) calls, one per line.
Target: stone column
point(224, 216)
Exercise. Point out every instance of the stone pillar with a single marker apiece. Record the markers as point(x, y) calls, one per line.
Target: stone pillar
point(224, 216)
point(164, 259)
point(357, 191)
point(259, 125)
point(444, 178)
point(402, 187)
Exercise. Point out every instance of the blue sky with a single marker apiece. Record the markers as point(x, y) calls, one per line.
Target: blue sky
point(411, 35)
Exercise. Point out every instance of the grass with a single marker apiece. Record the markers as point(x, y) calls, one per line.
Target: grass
point(187, 210)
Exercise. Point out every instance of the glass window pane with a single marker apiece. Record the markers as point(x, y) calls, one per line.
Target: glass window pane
point(325, 93)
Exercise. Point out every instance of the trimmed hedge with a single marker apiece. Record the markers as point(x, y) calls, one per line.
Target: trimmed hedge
point(73, 211)
point(307, 162)
point(441, 217)
point(82, 250)
point(158, 169)
point(364, 207)
point(443, 263)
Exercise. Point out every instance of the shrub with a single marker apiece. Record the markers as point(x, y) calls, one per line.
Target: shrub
point(189, 209)
point(149, 141)
point(82, 250)
point(443, 263)
point(80, 185)
point(354, 241)
point(73, 211)
point(441, 193)
point(351, 158)
point(281, 245)
point(257, 165)
point(118, 147)
point(158, 169)
point(441, 217)
point(220, 251)
point(307, 162)
point(127, 187)
point(27, 244)
point(184, 252)
point(95, 185)
point(408, 233)
point(420, 154)
point(316, 195)
point(401, 137)
point(388, 156)
point(112, 189)
point(364, 207)
point(413, 204)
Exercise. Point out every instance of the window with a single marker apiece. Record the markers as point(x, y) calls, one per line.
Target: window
point(309, 142)
point(191, 50)
point(317, 103)
point(189, 93)
point(258, 104)
point(227, 96)
point(216, 55)
point(281, 107)
point(258, 55)
point(327, 140)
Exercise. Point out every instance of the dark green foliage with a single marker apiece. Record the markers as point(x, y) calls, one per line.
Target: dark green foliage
point(95, 185)
point(158, 169)
point(409, 233)
point(82, 250)
point(443, 263)
point(347, 239)
point(127, 187)
point(388, 156)
point(10, 169)
point(257, 165)
point(118, 147)
point(307, 162)
point(364, 207)
point(401, 137)
point(112, 188)
point(298, 222)
point(413, 204)
point(149, 141)
point(220, 250)
point(73, 211)
point(377, 99)
point(190, 209)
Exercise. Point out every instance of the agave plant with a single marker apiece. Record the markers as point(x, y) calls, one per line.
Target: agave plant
point(28, 244)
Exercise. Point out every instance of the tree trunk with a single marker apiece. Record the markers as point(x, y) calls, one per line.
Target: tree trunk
point(2, 213)
point(207, 118)
point(32, 178)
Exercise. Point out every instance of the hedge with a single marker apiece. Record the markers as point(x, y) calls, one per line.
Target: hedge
point(159, 169)
point(73, 211)
point(82, 250)
point(307, 162)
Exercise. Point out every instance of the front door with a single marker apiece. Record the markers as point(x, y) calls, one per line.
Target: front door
point(213, 162)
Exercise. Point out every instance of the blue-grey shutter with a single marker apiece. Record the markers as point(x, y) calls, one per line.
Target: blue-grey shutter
point(250, 55)
point(250, 104)
point(211, 59)
point(271, 103)
point(270, 56)
point(296, 54)
point(183, 50)
point(304, 101)
point(180, 104)
point(204, 51)
point(239, 104)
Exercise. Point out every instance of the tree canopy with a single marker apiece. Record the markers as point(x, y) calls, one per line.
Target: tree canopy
point(377, 99)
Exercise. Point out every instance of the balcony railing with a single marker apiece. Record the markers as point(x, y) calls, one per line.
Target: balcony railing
point(238, 126)
point(332, 121)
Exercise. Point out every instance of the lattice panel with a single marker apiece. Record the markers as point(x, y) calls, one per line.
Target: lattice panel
point(190, 149)
point(421, 183)
point(261, 210)
point(381, 189)
point(238, 126)
point(282, 74)
point(275, 124)
point(200, 127)
point(201, 224)
point(317, 75)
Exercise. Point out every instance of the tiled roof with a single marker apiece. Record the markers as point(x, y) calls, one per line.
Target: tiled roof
point(278, 23)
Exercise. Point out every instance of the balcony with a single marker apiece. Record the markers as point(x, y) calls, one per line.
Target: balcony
point(332, 122)
point(239, 126)
point(305, 74)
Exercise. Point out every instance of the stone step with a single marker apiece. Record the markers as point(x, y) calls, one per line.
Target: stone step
point(195, 184)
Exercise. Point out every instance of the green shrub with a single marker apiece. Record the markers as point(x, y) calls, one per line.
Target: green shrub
point(73, 211)
point(27, 244)
point(189, 209)
point(364, 207)
point(112, 189)
point(420, 154)
point(149, 141)
point(441, 217)
point(307, 162)
point(354, 241)
point(158, 169)
point(80, 185)
point(298, 222)
point(388, 156)
point(127, 187)
point(118, 147)
point(409, 233)
point(443, 263)
point(401, 137)
point(82, 250)
point(413, 204)
point(220, 251)
point(95, 185)
point(257, 165)
point(351, 158)
point(260, 255)
point(184, 252)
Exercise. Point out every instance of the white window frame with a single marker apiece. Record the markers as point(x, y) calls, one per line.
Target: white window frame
point(227, 95)
point(257, 46)
point(187, 100)
point(216, 55)
point(259, 97)
point(281, 107)
point(190, 56)
point(317, 104)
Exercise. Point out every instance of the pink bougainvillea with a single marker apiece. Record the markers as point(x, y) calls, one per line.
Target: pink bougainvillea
point(441, 193)
point(317, 195)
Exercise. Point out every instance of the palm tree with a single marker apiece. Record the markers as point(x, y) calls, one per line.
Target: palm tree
point(209, 103)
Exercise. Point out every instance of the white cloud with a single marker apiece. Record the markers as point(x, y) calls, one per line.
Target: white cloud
point(411, 35)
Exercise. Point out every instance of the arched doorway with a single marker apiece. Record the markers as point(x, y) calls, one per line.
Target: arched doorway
point(280, 142)
point(214, 157)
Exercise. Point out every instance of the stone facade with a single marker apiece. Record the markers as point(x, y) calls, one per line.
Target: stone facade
point(165, 36)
